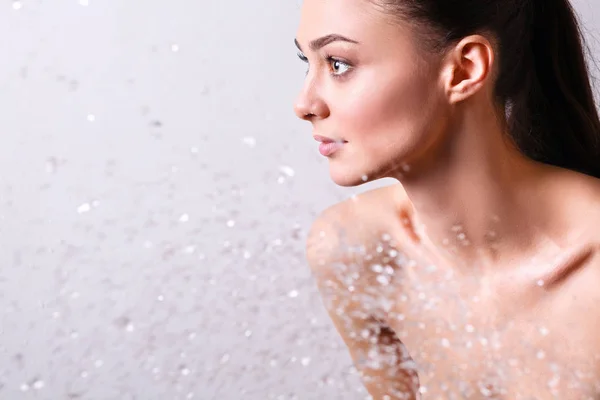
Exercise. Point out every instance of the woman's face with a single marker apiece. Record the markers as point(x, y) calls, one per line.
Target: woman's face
point(378, 91)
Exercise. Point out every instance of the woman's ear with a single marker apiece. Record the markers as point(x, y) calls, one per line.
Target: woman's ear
point(467, 67)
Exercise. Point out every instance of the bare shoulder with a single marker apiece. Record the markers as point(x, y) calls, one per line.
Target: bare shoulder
point(358, 221)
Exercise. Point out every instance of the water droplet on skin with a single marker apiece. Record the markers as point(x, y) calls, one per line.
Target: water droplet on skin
point(98, 363)
point(184, 371)
point(38, 384)
point(84, 374)
point(305, 361)
point(24, 387)
point(225, 358)
point(470, 328)
point(293, 294)
point(377, 268)
point(365, 178)
point(230, 223)
point(406, 168)
point(445, 343)
point(383, 280)
point(456, 228)
point(461, 236)
point(91, 117)
point(544, 331)
point(540, 355)
point(160, 297)
point(184, 218)
point(174, 48)
point(248, 333)
point(84, 2)
point(541, 283)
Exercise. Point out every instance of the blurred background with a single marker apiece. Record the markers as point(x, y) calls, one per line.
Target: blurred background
point(156, 190)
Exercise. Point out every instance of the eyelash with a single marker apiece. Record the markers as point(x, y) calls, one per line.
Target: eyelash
point(330, 59)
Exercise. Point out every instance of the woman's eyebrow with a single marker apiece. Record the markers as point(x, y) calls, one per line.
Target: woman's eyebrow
point(325, 40)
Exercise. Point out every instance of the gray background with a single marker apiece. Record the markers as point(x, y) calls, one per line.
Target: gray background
point(155, 193)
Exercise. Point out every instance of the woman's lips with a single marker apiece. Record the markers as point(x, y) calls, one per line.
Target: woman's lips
point(328, 148)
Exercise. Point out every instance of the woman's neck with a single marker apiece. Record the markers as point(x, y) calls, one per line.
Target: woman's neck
point(478, 197)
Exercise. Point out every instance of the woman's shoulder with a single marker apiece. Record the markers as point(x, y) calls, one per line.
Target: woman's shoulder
point(358, 222)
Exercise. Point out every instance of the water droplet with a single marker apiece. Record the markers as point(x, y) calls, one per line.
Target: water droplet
point(85, 207)
point(377, 268)
point(456, 228)
point(38, 384)
point(225, 358)
point(160, 297)
point(544, 331)
point(248, 333)
point(24, 387)
point(405, 167)
point(293, 294)
point(445, 342)
point(184, 218)
point(305, 361)
point(541, 283)
point(287, 171)
point(365, 178)
point(91, 117)
point(129, 327)
point(84, 2)
point(98, 363)
point(185, 371)
point(541, 355)
point(17, 5)
point(470, 328)
point(461, 236)
point(383, 279)
point(249, 141)
point(174, 48)
point(230, 223)
point(51, 165)
point(84, 374)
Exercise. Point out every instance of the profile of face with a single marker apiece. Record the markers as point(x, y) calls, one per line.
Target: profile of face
point(370, 85)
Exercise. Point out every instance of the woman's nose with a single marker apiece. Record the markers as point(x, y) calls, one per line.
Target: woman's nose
point(309, 107)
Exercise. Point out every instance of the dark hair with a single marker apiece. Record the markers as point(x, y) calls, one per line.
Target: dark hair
point(543, 79)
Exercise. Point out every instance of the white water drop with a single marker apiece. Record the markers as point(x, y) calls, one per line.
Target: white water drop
point(249, 141)
point(289, 171)
point(85, 207)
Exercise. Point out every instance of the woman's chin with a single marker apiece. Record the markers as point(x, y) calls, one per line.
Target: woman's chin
point(347, 177)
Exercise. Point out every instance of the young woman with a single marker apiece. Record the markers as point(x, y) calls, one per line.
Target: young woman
point(478, 275)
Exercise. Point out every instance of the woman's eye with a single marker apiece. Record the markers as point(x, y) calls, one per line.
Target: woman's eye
point(339, 67)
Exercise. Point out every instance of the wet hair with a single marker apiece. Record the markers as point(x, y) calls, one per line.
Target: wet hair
point(543, 80)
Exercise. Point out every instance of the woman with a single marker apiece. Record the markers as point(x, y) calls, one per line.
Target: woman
point(478, 276)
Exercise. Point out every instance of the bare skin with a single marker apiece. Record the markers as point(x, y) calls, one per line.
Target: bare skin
point(482, 264)
point(522, 331)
